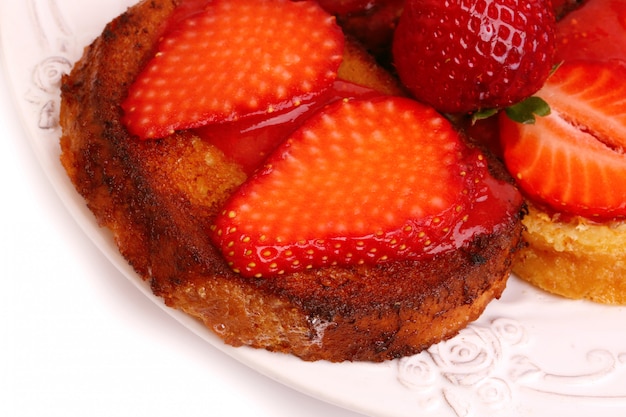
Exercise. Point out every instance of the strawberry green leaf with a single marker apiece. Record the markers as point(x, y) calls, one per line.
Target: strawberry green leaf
point(524, 112)
point(483, 114)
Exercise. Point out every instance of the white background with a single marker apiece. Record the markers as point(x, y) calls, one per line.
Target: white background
point(78, 339)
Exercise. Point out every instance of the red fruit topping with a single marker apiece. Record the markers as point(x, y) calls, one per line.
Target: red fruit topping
point(248, 142)
point(362, 181)
point(596, 31)
point(232, 60)
point(185, 10)
point(574, 159)
point(467, 55)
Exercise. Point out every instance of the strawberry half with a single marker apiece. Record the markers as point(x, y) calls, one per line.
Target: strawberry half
point(232, 60)
point(574, 159)
point(363, 181)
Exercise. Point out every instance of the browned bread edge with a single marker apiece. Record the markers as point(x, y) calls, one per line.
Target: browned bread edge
point(152, 196)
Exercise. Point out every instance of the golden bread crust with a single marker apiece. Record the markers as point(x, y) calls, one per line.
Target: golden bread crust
point(159, 198)
point(575, 258)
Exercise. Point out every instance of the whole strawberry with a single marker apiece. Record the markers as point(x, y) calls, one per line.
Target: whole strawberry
point(469, 55)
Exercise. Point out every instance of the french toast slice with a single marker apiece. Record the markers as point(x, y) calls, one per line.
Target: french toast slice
point(159, 198)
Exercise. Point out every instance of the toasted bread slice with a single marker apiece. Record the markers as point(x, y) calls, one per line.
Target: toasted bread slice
point(160, 197)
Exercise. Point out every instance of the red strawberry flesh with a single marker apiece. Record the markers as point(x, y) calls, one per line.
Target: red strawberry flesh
point(345, 7)
point(248, 142)
point(232, 60)
point(362, 182)
point(574, 160)
point(596, 31)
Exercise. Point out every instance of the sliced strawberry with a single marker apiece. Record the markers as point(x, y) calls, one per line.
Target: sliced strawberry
point(232, 60)
point(363, 181)
point(248, 142)
point(573, 160)
point(185, 10)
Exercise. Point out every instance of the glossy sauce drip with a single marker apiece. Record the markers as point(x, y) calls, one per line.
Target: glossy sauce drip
point(489, 205)
point(185, 10)
point(496, 200)
point(250, 140)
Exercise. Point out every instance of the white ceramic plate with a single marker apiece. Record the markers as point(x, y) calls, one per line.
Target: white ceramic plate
point(530, 354)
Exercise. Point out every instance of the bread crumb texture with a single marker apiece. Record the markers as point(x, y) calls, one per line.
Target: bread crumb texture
point(575, 258)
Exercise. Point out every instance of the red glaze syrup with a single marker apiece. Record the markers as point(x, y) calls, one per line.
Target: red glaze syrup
point(250, 140)
point(489, 205)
